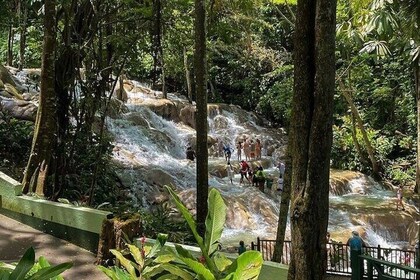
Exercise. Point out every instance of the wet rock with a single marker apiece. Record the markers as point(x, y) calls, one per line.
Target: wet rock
point(12, 91)
point(19, 109)
point(187, 115)
point(164, 108)
point(342, 182)
point(5, 76)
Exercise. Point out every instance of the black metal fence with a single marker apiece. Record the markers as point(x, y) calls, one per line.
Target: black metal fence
point(338, 255)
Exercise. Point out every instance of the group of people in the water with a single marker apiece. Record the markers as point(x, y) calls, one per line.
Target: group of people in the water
point(252, 150)
point(248, 147)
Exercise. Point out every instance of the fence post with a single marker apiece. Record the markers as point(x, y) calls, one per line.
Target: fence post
point(258, 244)
point(252, 246)
point(379, 252)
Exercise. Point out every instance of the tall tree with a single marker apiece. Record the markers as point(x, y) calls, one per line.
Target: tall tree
point(45, 125)
point(23, 17)
point(311, 136)
point(201, 116)
point(157, 49)
point(360, 124)
point(10, 45)
point(284, 209)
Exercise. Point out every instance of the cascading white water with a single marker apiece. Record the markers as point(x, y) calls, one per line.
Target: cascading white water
point(152, 149)
point(146, 141)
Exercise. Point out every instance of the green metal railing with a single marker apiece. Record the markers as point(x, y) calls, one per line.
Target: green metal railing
point(339, 256)
point(388, 270)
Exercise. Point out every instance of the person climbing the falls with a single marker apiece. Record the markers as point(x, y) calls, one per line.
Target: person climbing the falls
point(244, 170)
point(282, 168)
point(190, 153)
point(228, 152)
point(259, 178)
point(220, 148)
point(400, 198)
point(230, 172)
point(239, 150)
point(246, 149)
point(258, 149)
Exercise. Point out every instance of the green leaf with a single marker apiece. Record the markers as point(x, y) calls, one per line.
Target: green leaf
point(47, 273)
point(164, 258)
point(198, 268)
point(215, 221)
point(4, 274)
point(158, 245)
point(177, 271)
point(188, 217)
point(42, 261)
point(221, 261)
point(123, 275)
point(25, 264)
point(150, 271)
point(124, 262)
point(183, 252)
point(168, 277)
point(246, 266)
point(108, 272)
point(135, 252)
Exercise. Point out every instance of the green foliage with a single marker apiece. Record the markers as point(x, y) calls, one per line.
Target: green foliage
point(144, 263)
point(82, 166)
point(158, 262)
point(213, 264)
point(289, 2)
point(275, 105)
point(158, 219)
point(15, 145)
point(28, 269)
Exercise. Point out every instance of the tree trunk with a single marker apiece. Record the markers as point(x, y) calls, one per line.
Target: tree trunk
point(187, 75)
point(23, 16)
point(284, 210)
point(45, 125)
point(156, 34)
point(311, 136)
point(417, 85)
point(10, 46)
point(201, 119)
point(369, 148)
point(356, 142)
point(164, 88)
point(113, 233)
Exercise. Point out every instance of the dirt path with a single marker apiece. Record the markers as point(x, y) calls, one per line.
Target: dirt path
point(16, 238)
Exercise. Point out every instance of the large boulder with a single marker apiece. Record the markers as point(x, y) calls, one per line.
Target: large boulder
point(5, 76)
point(165, 108)
point(20, 109)
point(12, 91)
point(187, 115)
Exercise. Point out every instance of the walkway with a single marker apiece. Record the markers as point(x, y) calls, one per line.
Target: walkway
point(16, 238)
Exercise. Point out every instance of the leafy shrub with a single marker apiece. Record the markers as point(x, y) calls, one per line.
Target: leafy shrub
point(158, 262)
point(15, 144)
point(158, 219)
point(26, 268)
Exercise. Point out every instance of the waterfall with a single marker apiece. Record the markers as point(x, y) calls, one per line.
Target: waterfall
point(149, 152)
point(152, 149)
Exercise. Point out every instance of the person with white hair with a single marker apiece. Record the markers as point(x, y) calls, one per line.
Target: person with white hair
point(355, 244)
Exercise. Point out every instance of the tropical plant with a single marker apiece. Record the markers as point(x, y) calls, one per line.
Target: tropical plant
point(28, 269)
point(159, 262)
point(144, 262)
point(213, 264)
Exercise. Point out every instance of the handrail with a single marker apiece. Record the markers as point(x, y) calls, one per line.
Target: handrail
point(338, 261)
point(380, 265)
